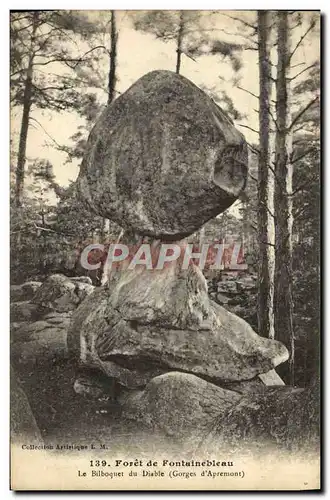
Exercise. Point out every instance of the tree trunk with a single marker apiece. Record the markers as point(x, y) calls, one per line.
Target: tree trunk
point(27, 102)
point(283, 199)
point(265, 268)
point(112, 80)
point(179, 43)
point(113, 59)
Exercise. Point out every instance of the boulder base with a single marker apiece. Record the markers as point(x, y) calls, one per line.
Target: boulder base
point(163, 159)
point(150, 323)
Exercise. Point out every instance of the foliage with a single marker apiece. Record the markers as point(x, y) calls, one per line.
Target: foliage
point(197, 39)
point(50, 44)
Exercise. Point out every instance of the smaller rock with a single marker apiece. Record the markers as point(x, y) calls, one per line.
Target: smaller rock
point(15, 327)
point(22, 311)
point(46, 345)
point(83, 289)
point(55, 318)
point(95, 386)
point(222, 299)
point(24, 292)
point(227, 287)
point(30, 288)
point(24, 332)
point(284, 416)
point(31, 331)
point(247, 285)
point(23, 425)
point(41, 341)
point(271, 378)
point(57, 293)
point(91, 315)
point(16, 293)
point(82, 279)
point(180, 405)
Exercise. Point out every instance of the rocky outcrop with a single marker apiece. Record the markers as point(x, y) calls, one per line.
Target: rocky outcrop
point(59, 293)
point(179, 404)
point(43, 340)
point(282, 417)
point(23, 425)
point(163, 159)
point(23, 311)
point(23, 292)
point(204, 416)
point(237, 294)
point(82, 279)
point(39, 327)
point(151, 323)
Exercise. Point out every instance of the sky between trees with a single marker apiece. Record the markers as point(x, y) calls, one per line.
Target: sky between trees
point(139, 53)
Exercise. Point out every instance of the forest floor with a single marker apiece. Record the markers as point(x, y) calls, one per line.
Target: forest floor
point(66, 418)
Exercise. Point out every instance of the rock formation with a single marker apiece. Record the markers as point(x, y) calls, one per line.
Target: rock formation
point(39, 326)
point(156, 344)
point(150, 323)
point(22, 422)
point(161, 161)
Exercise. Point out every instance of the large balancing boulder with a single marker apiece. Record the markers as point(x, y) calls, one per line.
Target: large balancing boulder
point(163, 159)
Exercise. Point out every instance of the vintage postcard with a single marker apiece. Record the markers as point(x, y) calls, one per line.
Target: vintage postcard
point(165, 250)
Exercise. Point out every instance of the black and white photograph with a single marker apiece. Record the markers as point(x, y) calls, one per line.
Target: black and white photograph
point(165, 250)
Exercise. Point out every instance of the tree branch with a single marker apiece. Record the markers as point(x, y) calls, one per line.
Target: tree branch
point(303, 71)
point(269, 244)
point(95, 48)
point(303, 186)
point(312, 25)
point(40, 228)
point(190, 57)
point(249, 128)
point(254, 27)
point(61, 88)
point(59, 59)
point(273, 118)
point(300, 114)
point(298, 64)
point(23, 28)
point(62, 31)
point(299, 128)
point(272, 170)
point(50, 137)
point(300, 157)
point(253, 178)
point(299, 213)
point(248, 92)
point(251, 48)
point(268, 209)
point(253, 149)
point(67, 60)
